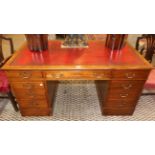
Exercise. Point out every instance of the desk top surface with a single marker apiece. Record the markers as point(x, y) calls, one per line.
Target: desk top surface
point(96, 56)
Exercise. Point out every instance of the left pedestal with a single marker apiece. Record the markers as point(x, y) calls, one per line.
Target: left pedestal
point(30, 90)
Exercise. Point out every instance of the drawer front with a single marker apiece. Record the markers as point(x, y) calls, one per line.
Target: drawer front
point(120, 103)
point(31, 86)
point(118, 111)
point(130, 74)
point(35, 111)
point(28, 93)
point(114, 94)
point(33, 103)
point(33, 96)
point(127, 85)
point(24, 75)
point(125, 89)
point(55, 75)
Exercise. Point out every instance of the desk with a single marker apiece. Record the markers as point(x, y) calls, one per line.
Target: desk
point(119, 76)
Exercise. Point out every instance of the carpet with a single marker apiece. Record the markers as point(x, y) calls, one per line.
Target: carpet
point(77, 101)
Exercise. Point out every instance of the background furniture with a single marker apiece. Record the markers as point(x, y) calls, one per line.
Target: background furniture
point(146, 45)
point(37, 42)
point(96, 36)
point(60, 36)
point(119, 76)
point(116, 41)
point(4, 85)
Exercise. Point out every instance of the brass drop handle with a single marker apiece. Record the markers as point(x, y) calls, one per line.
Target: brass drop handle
point(29, 92)
point(126, 87)
point(33, 103)
point(41, 84)
point(98, 75)
point(122, 104)
point(32, 96)
point(25, 75)
point(28, 86)
point(130, 75)
point(57, 76)
point(123, 95)
point(48, 75)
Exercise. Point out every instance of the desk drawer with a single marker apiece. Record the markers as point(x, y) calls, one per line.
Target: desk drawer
point(119, 104)
point(126, 85)
point(130, 74)
point(64, 75)
point(124, 95)
point(36, 111)
point(24, 75)
point(125, 89)
point(31, 86)
point(27, 95)
point(32, 103)
point(28, 92)
point(118, 111)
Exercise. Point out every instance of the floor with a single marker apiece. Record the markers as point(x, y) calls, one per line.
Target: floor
point(78, 100)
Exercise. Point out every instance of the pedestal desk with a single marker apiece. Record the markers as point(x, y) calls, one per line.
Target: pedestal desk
point(119, 76)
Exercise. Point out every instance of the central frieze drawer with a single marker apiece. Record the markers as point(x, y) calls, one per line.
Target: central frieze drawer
point(64, 75)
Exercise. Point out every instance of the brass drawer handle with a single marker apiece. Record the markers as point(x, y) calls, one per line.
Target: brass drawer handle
point(30, 94)
point(126, 87)
point(123, 95)
point(31, 86)
point(98, 75)
point(49, 76)
point(41, 84)
point(122, 104)
point(57, 76)
point(28, 86)
point(25, 75)
point(33, 103)
point(130, 75)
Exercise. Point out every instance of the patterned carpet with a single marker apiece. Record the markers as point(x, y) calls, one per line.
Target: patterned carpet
point(78, 101)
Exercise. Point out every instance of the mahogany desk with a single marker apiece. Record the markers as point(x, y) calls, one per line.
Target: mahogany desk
point(119, 76)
